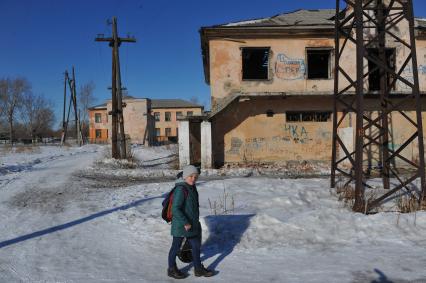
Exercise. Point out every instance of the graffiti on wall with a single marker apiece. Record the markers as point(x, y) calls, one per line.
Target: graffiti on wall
point(297, 133)
point(289, 69)
point(292, 134)
point(407, 74)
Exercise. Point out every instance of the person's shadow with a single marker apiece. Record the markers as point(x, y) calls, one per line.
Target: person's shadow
point(225, 232)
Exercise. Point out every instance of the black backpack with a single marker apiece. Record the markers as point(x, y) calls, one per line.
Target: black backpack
point(167, 203)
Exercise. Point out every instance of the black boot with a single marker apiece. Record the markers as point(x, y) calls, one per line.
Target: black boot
point(203, 272)
point(175, 273)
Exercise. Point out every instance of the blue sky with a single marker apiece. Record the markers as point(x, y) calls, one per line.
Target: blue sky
point(43, 38)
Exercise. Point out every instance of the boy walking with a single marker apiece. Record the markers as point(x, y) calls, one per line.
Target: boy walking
point(186, 224)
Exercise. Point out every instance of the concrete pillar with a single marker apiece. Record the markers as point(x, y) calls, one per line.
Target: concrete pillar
point(184, 153)
point(206, 145)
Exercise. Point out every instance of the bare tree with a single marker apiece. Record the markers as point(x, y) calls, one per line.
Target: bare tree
point(12, 92)
point(85, 100)
point(36, 114)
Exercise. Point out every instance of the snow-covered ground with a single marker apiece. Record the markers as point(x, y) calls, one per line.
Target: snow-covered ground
point(72, 215)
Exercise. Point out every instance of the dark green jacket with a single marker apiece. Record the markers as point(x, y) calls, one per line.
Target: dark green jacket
point(185, 210)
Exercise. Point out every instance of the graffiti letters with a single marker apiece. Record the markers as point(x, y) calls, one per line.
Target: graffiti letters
point(236, 144)
point(297, 133)
point(289, 69)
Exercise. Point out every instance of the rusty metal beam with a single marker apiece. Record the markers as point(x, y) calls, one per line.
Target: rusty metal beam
point(378, 19)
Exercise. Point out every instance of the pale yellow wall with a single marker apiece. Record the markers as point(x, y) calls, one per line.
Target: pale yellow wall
point(287, 66)
point(244, 133)
point(226, 67)
point(173, 124)
point(135, 118)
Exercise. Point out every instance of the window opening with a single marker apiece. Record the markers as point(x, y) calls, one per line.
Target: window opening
point(157, 116)
point(255, 63)
point(374, 76)
point(98, 134)
point(308, 116)
point(168, 116)
point(319, 61)
point(98, 117)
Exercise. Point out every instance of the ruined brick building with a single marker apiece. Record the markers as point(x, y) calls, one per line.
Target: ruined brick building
point(272, 85)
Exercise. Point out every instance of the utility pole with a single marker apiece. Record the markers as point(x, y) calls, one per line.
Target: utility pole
point(74, 98)
point(118, 139)
point(64, 124)
point(73, 102)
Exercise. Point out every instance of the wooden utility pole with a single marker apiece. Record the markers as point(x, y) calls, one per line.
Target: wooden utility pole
point(64, 123)
point(73, 102)
point(118, 138)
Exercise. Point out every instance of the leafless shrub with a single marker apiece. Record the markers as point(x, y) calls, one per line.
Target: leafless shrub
point(407, 203)
point(224, 205)
point(346, 193)
point(27, 149)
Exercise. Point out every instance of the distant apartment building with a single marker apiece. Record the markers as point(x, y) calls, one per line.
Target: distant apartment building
point(166, 114)
point(146, 121)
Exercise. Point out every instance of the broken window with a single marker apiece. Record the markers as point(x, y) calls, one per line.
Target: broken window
point(308, 116)
point(98, 117)
point(374, 70)
point(255, 63)
point(157, 116)
point(319, 63)
point(168, 116)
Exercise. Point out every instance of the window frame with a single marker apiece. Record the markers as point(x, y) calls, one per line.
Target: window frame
point(179, 115)
point(168, 132)
point(98, 115)
point(96, 133)
point(304, 114)
point(268, 49)
point(330, 62)
point(169, 118)
point(155, 116)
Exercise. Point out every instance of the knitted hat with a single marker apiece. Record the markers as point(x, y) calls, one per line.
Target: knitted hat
point(189, 170)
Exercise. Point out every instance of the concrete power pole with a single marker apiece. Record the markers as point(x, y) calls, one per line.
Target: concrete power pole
point(118, 138)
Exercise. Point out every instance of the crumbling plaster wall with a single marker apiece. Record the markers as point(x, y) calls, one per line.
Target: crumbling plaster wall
point(244, 134)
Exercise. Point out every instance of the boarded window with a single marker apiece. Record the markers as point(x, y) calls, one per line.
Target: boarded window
point(168, 116)
point(98, 134)
point(255, 63)
point(319, 63)
point(157, 116)
point(98, 118)
point(168, 132)
point(309, 116)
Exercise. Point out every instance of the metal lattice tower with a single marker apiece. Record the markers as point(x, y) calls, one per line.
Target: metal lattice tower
point(371, 29)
